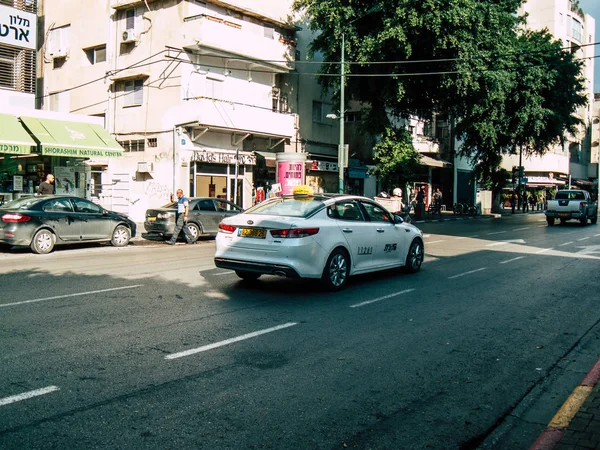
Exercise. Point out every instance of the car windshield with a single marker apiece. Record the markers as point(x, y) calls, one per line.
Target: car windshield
point(288, 206)
point(21, 203)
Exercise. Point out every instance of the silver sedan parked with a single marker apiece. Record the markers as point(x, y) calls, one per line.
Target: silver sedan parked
point(205, 213)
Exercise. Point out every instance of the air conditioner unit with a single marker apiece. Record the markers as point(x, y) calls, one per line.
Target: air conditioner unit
point(58, 53)
point(129, 35)
point(144, 167)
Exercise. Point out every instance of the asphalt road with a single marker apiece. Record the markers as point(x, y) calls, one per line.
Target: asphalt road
point(153, 347)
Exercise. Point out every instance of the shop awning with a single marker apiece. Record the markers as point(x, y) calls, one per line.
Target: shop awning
point(74, 139)
point(14, 139)
point(428, 161)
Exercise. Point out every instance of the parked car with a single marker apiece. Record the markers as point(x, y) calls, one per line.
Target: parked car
point(204, 216)
point(45, 221)
point(572, 204)
point(326, 237)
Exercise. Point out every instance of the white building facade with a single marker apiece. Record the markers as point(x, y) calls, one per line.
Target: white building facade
point(196, 92)
point(574, 163)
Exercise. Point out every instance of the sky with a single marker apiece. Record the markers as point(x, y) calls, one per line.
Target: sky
point(592, 7)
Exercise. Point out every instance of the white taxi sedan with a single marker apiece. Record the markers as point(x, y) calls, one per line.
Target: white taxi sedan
point(317, 236)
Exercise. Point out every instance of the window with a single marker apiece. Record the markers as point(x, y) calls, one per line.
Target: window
point(96, 55)
point(224, 206)
point(17, 69)
point(153, 142)
point(59, 102)
point(576, 29)
point(134, 93)
point(58, 205)
point(375, 213)
point(205, 205)
point(83, 206)
point(352, 116)
point(348, 211)
point(130, 19)
point(268, 32)
point(318, 112)
point(133, 146)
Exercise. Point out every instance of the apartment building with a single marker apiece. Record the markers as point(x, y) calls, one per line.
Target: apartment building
point(196, 92)
point(573, 163)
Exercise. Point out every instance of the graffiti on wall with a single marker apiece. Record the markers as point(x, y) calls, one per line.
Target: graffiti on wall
point(154, 189)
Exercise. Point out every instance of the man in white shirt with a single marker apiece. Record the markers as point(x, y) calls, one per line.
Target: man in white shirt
point(183, 207)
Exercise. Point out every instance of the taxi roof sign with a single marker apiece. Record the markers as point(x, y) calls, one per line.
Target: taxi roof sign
point(303, 190)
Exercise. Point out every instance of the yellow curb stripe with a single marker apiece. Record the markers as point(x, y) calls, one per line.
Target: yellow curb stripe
point(568, 410)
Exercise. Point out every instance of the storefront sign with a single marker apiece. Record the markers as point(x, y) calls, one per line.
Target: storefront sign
point(17, 28)
point(216, 157)
point(17, 183)
point(15, 149)
point(325, 166)
point(80, 152)
point(290, 174)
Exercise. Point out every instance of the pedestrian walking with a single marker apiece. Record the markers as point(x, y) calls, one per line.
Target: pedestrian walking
point(46, 187)
point(513, 201)
point(524, 202)
point(183, 207)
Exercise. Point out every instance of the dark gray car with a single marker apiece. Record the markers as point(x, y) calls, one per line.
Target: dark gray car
point(205, 214)
point(45, 221)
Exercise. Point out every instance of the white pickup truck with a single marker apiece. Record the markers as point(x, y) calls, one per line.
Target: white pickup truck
point(572, 204)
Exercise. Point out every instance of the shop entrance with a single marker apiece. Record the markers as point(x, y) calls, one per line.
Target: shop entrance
point(212, 180)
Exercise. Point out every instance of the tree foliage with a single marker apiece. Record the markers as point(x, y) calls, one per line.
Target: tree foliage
point(508, 89)
point(396, 162)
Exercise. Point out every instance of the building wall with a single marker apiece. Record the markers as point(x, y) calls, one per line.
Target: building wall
point(190, 80)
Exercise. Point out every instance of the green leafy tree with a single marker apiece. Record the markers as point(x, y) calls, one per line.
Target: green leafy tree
point(396, 161)
point(507, 89)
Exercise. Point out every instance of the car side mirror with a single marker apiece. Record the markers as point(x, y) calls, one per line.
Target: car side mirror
point(398, 219)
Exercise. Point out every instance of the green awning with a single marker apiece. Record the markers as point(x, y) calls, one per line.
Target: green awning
point(75, 139)
point(14, 139)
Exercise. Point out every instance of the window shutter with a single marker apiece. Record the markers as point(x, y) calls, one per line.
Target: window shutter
point(139, 92)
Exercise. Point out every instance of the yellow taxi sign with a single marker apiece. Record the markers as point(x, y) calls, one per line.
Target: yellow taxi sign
point(303, 190)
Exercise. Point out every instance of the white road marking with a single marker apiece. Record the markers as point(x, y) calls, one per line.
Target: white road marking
point(426, 235)
point(583, 239)
point(521, 229)
point(566, 243)
point(229, 341)
point(596, 235)
point(544, 250)
point(467, 273)
point(541, 226)
point(509, 241)
point(26, 395)
point(468, 237)
point(433, 242)
point(495, 232)
point(222, 273)
point(71, 295)
point(511, 260)
point(385, 297)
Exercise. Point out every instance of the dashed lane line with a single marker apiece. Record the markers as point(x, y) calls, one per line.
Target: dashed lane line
point(495, 232)
point(566, 243)
point(78, 294)
point(583, 239)
point(243, 337)
point(385, 297)
point(467, 273)
point(468, 237)
point(544, 250)
point(28, 395)
point(521, 229)
point(511, 260)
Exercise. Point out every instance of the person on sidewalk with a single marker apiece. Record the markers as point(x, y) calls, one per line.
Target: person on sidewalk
point(46, 187)
point(183, 207)
point(513, 201)
point(524, 201)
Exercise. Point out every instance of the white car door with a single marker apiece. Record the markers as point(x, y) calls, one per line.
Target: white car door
point(390, 246)
point(359, 234)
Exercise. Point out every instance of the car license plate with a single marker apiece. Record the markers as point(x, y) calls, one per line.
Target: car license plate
point(252, 232)
point(564, 214)
point(151, 219)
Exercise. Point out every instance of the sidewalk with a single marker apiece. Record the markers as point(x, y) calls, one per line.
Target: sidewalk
point(576, 426)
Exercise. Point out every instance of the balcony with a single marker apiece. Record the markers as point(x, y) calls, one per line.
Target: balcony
point(214, 36)
point(231, 117)
point(425, 145)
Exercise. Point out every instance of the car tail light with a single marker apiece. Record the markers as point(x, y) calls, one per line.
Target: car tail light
point(226, 228)
point(15, 218)
point(582, 205)
point(294, 232)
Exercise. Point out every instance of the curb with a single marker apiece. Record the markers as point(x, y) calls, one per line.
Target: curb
point(561, 420)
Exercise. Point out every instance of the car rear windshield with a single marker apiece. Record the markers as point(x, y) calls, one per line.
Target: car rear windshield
point(569, 195)
point(288, 206)
point(21, 203)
